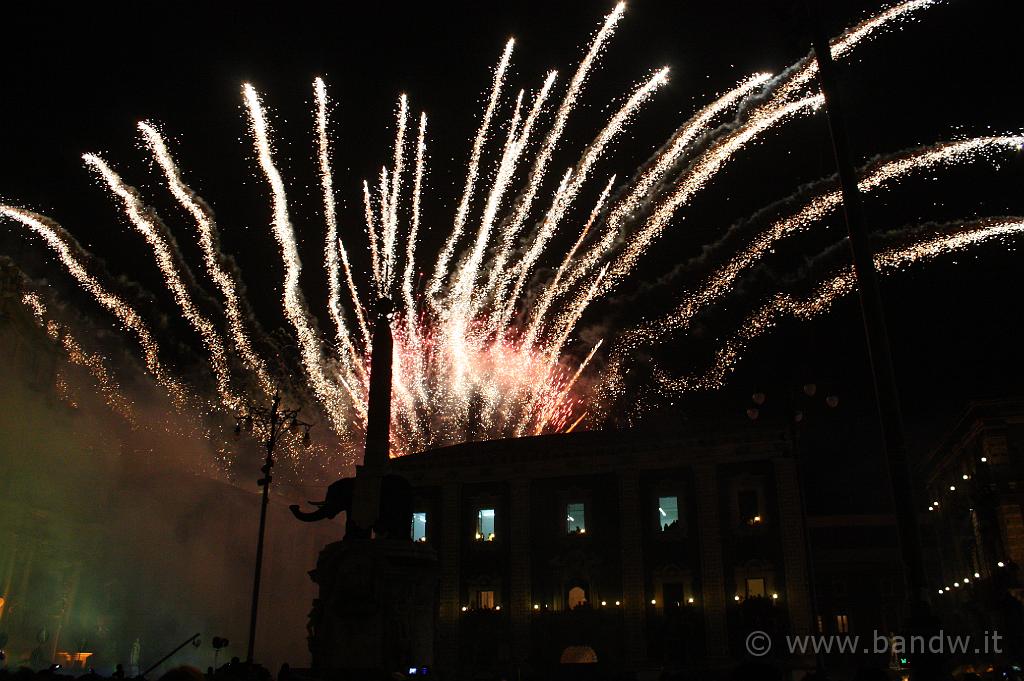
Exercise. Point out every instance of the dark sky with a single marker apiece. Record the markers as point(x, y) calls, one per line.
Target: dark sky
point(77, 81)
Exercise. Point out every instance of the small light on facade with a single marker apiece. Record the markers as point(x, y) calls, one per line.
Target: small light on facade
point(464, 608)
point(977, 575)
point(931, 508)
point(941, 592)
point(956, 585)
point(497, 607)
point(736, 597)
point(952, 488)
point(536, 606)
point(966, 580)
point(604, 603)
point(947, 588)
point(654, 601)
point(984, 459)
point(966, 477)
point(775, 597)
point(936, 503)
point(1001, 564)
point(618, 603)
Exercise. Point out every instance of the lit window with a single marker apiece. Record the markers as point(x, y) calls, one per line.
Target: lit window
point(577, 597)
point(485, 600)
point(485, 524)
point(419, 527)
point(575, 518)
point(842, 624)
point(749, 506)
point(755, 588)
point(668, 512)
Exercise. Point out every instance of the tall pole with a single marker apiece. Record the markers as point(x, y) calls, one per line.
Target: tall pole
point(264, 482)
point(886, 394)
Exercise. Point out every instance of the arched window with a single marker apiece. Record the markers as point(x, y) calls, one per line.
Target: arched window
point(578, 655)
point(577, 597)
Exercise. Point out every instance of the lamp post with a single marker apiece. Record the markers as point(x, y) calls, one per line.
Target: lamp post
point(274, 422)
point(796, 416)
point(873, 313)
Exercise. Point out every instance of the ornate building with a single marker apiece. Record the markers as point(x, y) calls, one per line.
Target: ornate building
point(639, 551)
point(973, 483)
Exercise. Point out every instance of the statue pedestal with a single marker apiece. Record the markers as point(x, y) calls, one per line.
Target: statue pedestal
point(376, 608)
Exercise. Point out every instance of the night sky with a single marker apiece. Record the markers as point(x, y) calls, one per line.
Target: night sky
point(78, 81)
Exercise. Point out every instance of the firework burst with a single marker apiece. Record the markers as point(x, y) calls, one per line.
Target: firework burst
point(482, 339)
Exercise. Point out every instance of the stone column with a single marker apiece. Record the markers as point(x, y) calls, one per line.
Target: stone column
point(794, 546)
point(447, 651)
point(520, 591)
point(716, 633)
point(633, 598)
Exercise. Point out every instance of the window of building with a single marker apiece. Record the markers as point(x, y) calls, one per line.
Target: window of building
point(485, 600)
point(842, 624)
point(820, 623)
point(672, 595)
point(668, 512)
point(485, 524)
point(419, 526)
point(576, 518)
point(755, 587)
point(749, 506)
point(577, 597)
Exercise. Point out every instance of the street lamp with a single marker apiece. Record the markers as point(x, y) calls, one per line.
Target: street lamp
point(273, 423)
point(796, 413)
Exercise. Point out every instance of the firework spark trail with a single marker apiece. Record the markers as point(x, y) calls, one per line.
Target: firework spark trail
point(371, 234)
point(828, 291)
point(412, 333)
point(793, 82)
point(294, 305)
point(693, 180)
point(391, 230)
point(548, 296)
point(720, 282)
point(524, 203)
point(840, 47)
point(474, 164)
point(462, 291)
point(564, 199)
point(566, 322)
point(693, 129)
point(207, 231)
point(333, 246)
point(522, 140)
point(698, 177)
point(94, 363)
point(414, 228)
point(71, 256)
point(566, 392)
point(145, 220)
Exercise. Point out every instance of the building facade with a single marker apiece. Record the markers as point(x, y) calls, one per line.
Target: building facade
point(973, 483)
point(637, 551)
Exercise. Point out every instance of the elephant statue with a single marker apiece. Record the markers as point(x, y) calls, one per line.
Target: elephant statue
point(394, 514)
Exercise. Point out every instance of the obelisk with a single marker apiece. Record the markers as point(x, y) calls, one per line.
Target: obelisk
point(376, 452)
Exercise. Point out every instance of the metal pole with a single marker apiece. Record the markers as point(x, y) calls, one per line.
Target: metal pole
point(886, 395)
point(265, 483)
point(166, 657)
